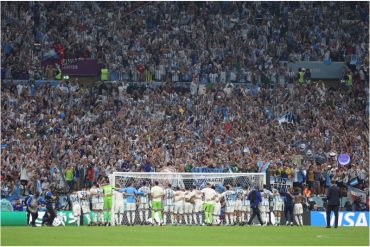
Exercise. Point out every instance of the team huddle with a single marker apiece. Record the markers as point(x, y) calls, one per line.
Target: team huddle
point(212, 205)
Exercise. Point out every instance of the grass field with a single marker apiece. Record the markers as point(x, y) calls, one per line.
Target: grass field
point(182, 235)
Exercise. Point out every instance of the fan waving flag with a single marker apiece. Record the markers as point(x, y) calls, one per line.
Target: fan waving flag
point(263, 165)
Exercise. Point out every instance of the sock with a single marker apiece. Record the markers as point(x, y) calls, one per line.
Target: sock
point(128, 217)
point(141, 214)
point(232, 219)
point(200, 218)
point(101, 214)
point(242, 217)
point(88, 218)
point(172, 218)
point(186, 218)
point(160, 216)
point(296, 219)
point(165, 218)
point(195, 219)
point(78, 220)
point(214, 219)
point(301, 219)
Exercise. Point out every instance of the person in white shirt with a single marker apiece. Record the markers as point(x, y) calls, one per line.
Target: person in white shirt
point(119, 206)
point(189, 207)
point(228, 195)
point(168, 204)
point(76, 207)
point(157, 194)
point(179, 205)
point(198, 206)
point(85, 203)
point(239, 205)
point(209, 196)
point(246, 205)
point(217, 210)
point(144, 203)
point(278, 205)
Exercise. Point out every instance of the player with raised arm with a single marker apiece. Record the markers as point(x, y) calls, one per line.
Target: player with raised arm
point(230, 204)
point(144, 203)
point(278, 206)
point(85, 204)
point(189, 207)
point(239, 205)
point(157, 194)
point(246, 205)
point(198, 206)
point(119, 207)
point(168, 204)
point(179, 205)
point(209, 196)
point(97, 201)
point(76, 206)
point(130, 193)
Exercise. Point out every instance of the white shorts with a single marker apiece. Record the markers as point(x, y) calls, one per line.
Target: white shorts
point(238, 205)
point(97, 206)
point(168, 209)
point(188, 208)
point(230, 209)
point(278, 206)
point(85, 209)
point(264, 208)
point(144, 206)
point(217, 209)
point(198, 206)
point(179, 208)
point(298, 208)
point(130, 206)
point(119, 209)
point(76, 208)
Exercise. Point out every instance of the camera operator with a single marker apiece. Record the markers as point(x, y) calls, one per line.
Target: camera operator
point(50, 213)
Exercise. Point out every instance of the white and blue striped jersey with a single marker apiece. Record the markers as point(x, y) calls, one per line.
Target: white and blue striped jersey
point(144, 199)
point(75, 199)
point(84, 197)
point(168, 197)
point(97, 195)
point(246, 202)
point(228, 195)
point(239, 194)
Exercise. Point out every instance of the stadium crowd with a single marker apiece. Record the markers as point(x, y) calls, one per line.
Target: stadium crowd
point(163, 41)
point(93, 132)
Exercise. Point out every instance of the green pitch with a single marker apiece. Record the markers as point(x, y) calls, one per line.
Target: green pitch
point(182, 235)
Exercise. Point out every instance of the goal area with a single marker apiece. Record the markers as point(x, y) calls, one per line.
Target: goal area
point(182, 181)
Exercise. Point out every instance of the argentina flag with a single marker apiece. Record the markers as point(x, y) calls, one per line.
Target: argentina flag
point(263, 165)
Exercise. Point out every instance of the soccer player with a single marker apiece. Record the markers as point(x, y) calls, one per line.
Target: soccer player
point(278, 206)
point(209, 196)
point(198, 206)
point(168, 204)
point(85, 203)
point(246, 205)
point(189, 207)
point(298, 209)
point(76, 206)
point(144, 203)
point(230, 204)
point(179, 205)
point(130, 193)
point(217, 209)
point(108, 190)
point(265, 205)
point(157, 194)
point(119, 207)
point(239, 205)
point(97, 201)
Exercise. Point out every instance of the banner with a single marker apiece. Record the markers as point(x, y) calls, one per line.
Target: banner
point(263, 165)
point(344, 218)
point(281, 184)
point(357, 193)
point(64, 218)
point(80, 67)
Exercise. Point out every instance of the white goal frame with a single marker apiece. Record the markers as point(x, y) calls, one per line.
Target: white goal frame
point(177, 178)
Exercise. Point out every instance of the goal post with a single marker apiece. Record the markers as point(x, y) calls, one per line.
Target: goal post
point(185, 181)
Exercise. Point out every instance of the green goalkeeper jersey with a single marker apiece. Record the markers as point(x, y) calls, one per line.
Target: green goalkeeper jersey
point(108, 190)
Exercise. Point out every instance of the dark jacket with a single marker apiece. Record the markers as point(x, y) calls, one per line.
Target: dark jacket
point(333, 195)
point(255, 198)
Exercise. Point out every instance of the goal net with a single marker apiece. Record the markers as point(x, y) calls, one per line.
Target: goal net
point(139, 211)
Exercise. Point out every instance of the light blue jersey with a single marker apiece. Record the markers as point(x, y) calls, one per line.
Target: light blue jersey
point(131, 194)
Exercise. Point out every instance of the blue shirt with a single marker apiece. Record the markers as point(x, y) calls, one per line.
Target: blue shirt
point(132, 192)
point(257, 199)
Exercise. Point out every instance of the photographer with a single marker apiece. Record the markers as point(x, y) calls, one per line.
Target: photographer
point(50, 214)
point(33, 203)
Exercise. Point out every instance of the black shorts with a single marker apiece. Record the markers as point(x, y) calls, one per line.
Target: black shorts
point(24, 182)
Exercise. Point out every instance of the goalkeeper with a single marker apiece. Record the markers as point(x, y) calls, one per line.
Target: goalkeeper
point(209, 195)
point(157, 194)
point(108, 191)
